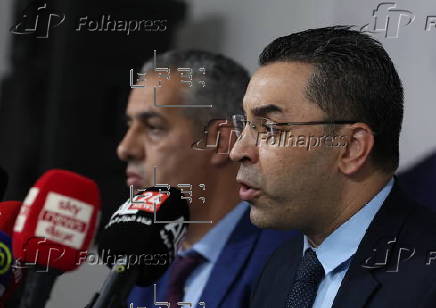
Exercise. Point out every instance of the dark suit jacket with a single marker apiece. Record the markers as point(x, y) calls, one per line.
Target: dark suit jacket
point(419, 181)
point(237, 267)
point(402, 233)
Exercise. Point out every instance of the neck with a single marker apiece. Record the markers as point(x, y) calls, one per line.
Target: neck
point(356, 193)
point(221, 197)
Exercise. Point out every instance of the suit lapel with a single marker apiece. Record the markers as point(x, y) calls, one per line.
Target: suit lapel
point(286, 270)
point(230, 261)
point(355, 291)
point(161, 292)
point(373, 256)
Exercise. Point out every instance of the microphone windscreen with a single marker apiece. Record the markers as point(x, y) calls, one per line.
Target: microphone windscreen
point(148, 238)
point(6, 261)
point(8, 213)
point(57, 220)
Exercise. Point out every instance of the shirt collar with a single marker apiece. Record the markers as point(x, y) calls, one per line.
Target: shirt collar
point(340, 245)
point(211, 244)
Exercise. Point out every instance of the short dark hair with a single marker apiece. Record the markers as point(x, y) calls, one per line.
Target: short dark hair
point(353, 79)
point(225, 83)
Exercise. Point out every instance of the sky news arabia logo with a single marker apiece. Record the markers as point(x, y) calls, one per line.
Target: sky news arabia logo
point(38, 20)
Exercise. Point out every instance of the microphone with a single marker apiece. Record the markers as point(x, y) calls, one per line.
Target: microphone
point(4, 178)
point(9, 275)
point(55, 224)
point(140, 240)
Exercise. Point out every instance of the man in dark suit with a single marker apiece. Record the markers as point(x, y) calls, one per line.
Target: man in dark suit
point(318, 147)
point(174, 138)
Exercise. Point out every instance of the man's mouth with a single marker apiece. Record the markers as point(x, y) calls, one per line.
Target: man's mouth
point(134, 179)
point(248, 192)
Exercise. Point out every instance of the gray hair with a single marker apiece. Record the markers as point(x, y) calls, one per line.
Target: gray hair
point(225, 83)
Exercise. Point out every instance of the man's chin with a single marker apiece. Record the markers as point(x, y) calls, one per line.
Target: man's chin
point(265, 220)
point(259, 219)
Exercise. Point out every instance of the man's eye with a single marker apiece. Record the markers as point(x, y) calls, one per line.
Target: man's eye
point(272, 129)
point(153, 129)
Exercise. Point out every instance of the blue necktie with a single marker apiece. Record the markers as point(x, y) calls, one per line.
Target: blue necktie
point(307, 278)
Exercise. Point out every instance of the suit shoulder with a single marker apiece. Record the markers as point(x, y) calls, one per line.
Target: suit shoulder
point(422, 218)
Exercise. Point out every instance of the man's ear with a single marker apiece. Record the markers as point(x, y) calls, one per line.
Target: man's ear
point(356, 152)
point(220, 138)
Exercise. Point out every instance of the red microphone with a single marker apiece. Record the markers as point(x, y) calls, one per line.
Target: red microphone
point(9, 275)
point(55, 226)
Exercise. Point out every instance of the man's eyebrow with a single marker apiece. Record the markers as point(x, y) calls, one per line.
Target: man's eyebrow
point(145, 115)
point(262, 111)
point(142, 116)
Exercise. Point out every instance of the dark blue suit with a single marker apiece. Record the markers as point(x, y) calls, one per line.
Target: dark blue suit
point(419, 181)
point(237, 267)
point(394, 265)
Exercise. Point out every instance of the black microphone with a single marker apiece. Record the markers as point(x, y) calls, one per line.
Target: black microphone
point(4, 178)
point(140, 242)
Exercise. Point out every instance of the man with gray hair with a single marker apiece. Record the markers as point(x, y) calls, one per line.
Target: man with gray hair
point(175, 138)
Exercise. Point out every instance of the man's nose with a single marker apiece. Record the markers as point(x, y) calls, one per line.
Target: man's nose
point(245, 148)
point(131, 146)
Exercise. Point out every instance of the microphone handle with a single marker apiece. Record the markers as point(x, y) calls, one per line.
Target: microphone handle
point(116, 289)
point(37, 287)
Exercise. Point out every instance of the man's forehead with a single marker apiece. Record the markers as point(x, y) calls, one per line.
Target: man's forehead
point(149, 100)
point(257, 105)
point(277, 88)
